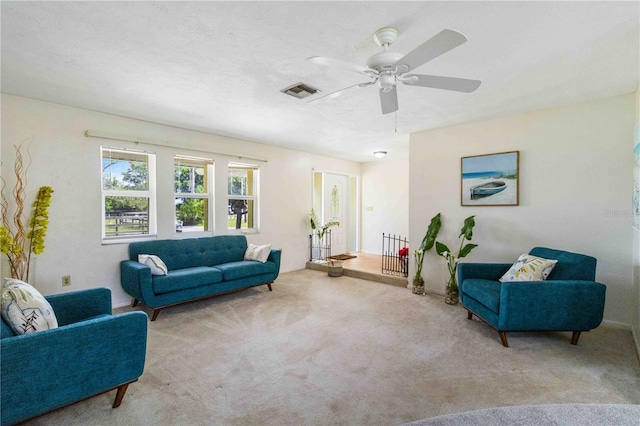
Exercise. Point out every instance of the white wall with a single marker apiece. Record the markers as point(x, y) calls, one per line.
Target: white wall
point(65, 159)
point(385, 202)
point(576, 172)
point(635, 304)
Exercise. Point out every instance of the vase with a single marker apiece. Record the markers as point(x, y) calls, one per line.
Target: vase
point(451, 297)
point(418, 286)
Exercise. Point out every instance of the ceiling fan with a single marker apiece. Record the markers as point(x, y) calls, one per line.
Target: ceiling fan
point(387, 68)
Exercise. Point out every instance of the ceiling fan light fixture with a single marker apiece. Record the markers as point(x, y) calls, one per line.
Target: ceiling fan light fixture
point(387, 81)
point(380, 154)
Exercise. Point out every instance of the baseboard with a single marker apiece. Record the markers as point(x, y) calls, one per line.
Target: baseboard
point(378, 253)
point(636, 340)
point(121, 304)
point(616, 324)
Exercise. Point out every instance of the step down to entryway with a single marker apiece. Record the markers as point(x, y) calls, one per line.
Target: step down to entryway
point(370, 276)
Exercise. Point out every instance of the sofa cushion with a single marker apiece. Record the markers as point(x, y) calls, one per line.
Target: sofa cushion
point(571, 266)
point(529, 268)
point(486, 292)
point(182, 279)
point(192, 252)
point(24, 309)
point(245, 268)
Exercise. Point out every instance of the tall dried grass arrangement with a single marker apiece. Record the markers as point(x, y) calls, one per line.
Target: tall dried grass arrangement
point(16, 242)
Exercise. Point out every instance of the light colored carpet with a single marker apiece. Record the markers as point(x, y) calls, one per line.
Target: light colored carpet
point(334, 351)
point(542, 415)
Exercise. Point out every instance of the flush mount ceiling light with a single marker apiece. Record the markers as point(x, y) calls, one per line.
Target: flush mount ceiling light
point(379, 154)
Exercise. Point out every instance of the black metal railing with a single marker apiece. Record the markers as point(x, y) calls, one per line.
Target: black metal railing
point(320, 248)
point(395, 255)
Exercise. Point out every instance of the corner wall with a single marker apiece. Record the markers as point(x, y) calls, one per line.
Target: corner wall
point(62, 157)
point(576, 173)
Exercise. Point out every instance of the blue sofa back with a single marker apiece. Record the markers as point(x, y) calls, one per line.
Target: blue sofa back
point(570, 266)
point(5, 330)
point(191, 252)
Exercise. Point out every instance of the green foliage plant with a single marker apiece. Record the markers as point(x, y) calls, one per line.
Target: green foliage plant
point(426, 245)
point(466, 233)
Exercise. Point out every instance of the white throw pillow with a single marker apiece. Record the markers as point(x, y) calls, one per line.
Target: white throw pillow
point(24, 309)
point(259, 253)
point(154, 262)
point(529, 268)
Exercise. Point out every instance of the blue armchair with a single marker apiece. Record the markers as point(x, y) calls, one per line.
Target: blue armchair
point(91, 352)
point(569, 300)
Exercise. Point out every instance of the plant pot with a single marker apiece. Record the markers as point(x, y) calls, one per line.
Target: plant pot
point(335, 269)
point(418, 286)
point(451, 297)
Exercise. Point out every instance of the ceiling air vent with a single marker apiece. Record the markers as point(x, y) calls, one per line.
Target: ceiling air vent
point(300, 90)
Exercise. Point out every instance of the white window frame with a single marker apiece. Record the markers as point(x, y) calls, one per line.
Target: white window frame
point(255, 197)
point(209, 164)
point(150, 194)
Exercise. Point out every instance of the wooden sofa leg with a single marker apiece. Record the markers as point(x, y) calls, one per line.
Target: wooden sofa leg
point(469, 315)
point(155, 314)
point(122, 389)
point(503, 338)
point(575, 337)
point(134, 303)
point(269, 285)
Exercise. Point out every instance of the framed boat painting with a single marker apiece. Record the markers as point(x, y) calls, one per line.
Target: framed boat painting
point(490, 180)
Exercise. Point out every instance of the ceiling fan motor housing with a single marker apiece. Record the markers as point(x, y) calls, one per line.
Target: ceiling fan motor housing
point(384, 61)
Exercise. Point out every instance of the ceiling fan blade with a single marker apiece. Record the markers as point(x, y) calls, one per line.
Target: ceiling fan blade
point(440, 43)
point(389, 100)
point(338, 63)
point(439, 82)
point(337, 93)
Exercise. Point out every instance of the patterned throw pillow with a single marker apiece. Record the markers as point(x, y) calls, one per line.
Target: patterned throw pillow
point(154, 262)
point(24, 309)
point(259, 253)
point(529, 268)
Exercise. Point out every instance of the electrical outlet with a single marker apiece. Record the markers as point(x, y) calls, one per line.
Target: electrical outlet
point(66, 280)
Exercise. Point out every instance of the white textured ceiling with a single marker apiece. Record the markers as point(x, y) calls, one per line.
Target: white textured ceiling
point(219, 66)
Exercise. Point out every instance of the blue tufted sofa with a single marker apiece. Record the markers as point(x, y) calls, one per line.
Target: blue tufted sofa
point(569, 300)
point(91, 352)
point(198, 268)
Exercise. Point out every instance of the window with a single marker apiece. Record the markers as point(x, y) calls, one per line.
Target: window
point(128, 194)
point(243, 196)
point(192, 194)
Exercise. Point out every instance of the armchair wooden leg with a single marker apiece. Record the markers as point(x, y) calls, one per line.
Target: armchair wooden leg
point(469, 315)
point(575, 337)
point(503, 338)
point(134, 303)
point(155, 314)
point(122, 389)
point(269, 285)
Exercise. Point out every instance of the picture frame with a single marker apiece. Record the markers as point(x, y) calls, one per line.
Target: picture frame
point(490, 179)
